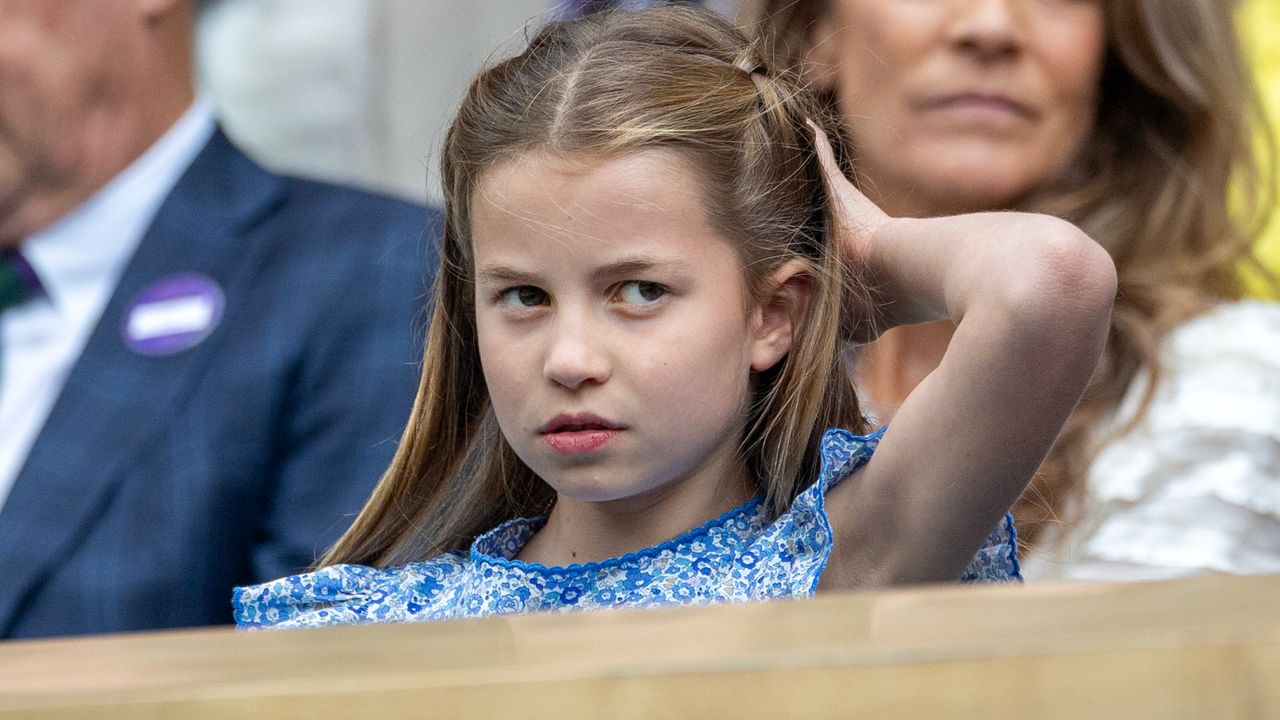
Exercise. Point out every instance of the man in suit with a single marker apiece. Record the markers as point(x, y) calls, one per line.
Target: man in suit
point(204, 367)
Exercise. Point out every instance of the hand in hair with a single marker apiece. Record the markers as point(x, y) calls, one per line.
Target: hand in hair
point(859, 217)
point(1031, 296)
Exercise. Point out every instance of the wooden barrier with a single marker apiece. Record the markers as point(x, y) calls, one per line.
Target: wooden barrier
point(1201, 648)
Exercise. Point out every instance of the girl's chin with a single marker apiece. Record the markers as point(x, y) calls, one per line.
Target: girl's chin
point(601, 484)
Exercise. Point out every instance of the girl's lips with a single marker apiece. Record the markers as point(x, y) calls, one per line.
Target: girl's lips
point(570, 422)
point(578, 442)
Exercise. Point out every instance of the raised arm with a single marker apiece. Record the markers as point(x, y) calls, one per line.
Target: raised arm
point(1031, 296)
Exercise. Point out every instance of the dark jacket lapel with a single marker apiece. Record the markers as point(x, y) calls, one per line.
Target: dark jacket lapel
point(116, 401)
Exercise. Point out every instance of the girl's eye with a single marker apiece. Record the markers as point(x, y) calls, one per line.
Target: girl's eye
point(637, 292)
point(525, 296)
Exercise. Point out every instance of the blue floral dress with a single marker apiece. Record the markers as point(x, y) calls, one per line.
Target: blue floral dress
point(740, 556)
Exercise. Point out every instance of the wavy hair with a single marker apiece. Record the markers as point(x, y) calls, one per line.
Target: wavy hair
point(608, 84)
point(1177, 124)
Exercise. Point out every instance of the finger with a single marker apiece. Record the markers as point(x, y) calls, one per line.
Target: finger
point(851, 203)
point(827, 157)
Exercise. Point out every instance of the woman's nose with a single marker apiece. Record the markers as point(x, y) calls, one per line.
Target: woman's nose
point(988, 30)
point(575, 354)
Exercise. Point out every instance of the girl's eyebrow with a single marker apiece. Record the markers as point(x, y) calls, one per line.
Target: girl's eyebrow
point(639, 266)
point(496, 274)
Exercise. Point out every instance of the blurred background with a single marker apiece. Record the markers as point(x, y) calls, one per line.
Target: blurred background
point(357, 91)
point(361, 91)
point(1260, 25)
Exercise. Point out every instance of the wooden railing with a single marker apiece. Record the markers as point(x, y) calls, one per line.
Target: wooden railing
point(1201, 648)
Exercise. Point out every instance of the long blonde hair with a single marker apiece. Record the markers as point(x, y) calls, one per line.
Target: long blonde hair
point(608, 84)
point(1176, 126)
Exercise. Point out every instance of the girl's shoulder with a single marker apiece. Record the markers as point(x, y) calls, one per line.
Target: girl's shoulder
point(800, 540)
point(786, 557)
point(843, 452)
point(351, 594)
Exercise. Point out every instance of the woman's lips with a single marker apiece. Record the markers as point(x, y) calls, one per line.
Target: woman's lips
point(578, 442)
point(981, 105)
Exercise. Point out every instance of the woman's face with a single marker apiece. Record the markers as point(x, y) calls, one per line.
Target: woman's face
point(961, 104)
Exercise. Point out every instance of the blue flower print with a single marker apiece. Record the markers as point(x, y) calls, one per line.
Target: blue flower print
point(509, 604)
point(742, 555)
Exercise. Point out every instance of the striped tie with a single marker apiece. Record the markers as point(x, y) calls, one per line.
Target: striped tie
point(18, 281)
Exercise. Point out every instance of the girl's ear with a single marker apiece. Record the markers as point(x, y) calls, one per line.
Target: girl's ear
point(780, 313)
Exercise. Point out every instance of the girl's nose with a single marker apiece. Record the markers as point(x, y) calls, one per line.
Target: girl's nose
point(988, 30)
point(575, 355)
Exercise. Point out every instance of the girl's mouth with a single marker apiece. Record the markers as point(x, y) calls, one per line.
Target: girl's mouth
point(578, 434)
point(577, 442)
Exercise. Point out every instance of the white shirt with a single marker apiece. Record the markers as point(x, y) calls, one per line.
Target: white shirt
point(1195, 486)
point(79, 260)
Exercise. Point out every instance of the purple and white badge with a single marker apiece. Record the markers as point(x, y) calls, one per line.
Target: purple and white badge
point(173, 314)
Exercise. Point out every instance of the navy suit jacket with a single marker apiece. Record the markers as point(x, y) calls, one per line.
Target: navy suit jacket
point(159, 483)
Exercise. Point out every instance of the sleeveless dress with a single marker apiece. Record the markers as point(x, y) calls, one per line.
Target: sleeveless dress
point(741, 556)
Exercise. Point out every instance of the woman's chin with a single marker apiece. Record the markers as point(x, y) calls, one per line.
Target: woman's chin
point(976, 181)
point(935, 178)
point(966, 189)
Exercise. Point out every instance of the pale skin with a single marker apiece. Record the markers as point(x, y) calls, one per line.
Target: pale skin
point(580, 237)
point(955, 106)
point(960, 105)
point(571, 258)
point(88, 86)
point(967, 440)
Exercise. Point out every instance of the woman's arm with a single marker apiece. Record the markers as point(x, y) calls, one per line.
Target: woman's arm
point(1031, 296)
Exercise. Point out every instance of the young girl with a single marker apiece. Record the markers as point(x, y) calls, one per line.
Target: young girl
point(650, 264)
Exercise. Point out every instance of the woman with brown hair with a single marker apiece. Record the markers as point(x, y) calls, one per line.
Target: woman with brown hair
point(1131, 118)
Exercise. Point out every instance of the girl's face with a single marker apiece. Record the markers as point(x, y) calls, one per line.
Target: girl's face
point(614, 328)
point(962, 104)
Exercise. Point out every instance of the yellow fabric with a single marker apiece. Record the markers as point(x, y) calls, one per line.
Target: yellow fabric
point(1259, 22)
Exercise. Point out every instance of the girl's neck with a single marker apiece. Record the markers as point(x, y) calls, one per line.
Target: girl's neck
point(892, 366)
point(584, 532)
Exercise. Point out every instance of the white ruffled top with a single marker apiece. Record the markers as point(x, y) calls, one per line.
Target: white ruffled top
point(1195, 486)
